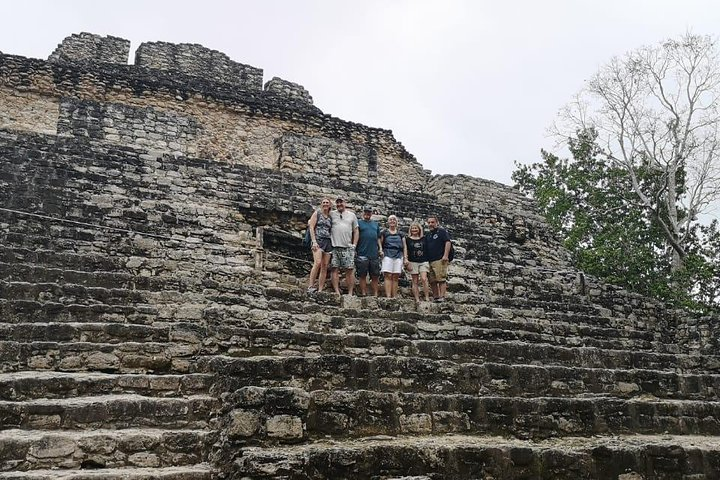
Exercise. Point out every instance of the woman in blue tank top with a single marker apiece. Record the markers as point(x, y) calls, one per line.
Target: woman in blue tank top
point(395, 255)
point(319, 226)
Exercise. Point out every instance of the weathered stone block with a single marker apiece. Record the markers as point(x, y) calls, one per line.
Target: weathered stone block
point(284, 427)
point(417, 423)
point(244, 423)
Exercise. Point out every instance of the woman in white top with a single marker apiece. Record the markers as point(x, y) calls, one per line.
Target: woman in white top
point(395, 255)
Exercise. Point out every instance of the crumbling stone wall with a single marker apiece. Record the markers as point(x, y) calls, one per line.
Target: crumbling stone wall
point(155, 129)
point(198, 61)
point(484, 199)
point(288, 90)
point(87, 47)
point(225, 122)
point(28, 111)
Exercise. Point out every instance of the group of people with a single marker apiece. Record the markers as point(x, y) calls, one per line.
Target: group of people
point(342, 242)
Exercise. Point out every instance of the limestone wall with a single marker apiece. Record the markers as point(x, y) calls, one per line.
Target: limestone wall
point(289, 90)
point(182, 113)
point(198, 61)
point(483, 199)
point(86, 47)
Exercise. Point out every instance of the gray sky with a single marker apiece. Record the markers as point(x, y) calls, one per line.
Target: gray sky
point(467, 86)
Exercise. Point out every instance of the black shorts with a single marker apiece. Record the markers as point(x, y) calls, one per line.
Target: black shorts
point(365, 265)
point(325, 245)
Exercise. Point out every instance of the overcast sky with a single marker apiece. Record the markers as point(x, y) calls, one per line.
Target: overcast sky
point(467, 86)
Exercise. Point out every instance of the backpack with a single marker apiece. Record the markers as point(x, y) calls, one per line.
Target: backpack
point(451, 254)
point(307, 240)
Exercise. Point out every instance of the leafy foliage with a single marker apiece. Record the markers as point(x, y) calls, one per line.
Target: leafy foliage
point(590, 202)
point(656, 111)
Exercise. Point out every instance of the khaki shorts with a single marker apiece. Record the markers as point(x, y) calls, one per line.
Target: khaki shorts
point(438, 271)
point(416, 268)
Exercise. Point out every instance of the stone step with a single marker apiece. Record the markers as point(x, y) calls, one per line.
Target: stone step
point(416, 325)
point(22, 272)
point(178, 332)
point(125, 357)
point(30, 311)
point(30, 385)
point(69, 293)
point(493, 329)
point(338, 309)
point(152, 277)
point(190, 472)
point(252, 342)
point(458, 457)
point(423, 375)
point(24, 450)
point(295, 300)
point(104, 411)
point(136, 357)
point(27, 297)
point(86, 332)
point(291, 415)
point(184, 332)
point(72, 294)
point(88, 262)
point(120, 246)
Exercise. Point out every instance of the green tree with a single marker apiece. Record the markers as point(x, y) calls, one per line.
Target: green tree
point(657, 109)
point(592, 206)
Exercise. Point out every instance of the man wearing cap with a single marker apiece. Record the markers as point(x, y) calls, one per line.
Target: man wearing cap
point(369, 250)
point(344, 236)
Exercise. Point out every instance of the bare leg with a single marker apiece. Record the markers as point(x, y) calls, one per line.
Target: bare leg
point(424, 280)
point(388, 284)
point(323, 271)
point(442, 289)
point(350, 280)
point(317, 262)
point(395, 281)
point(415, 290)
point(434, 286)
point(362, 283)
point(336, 280)
point(374, 285)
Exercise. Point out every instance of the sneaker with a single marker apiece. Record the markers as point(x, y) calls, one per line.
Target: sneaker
point(440, 300)
point(311, 290)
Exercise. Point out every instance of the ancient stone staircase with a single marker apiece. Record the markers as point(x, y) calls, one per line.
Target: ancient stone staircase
point(104, 375)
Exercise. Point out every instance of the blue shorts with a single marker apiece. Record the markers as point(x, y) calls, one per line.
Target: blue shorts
point(365, 265)
point(325, 245)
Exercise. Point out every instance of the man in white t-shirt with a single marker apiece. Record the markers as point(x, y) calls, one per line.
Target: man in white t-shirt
point(344, 235)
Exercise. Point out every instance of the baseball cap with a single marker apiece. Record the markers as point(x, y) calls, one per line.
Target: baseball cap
point(367, 208)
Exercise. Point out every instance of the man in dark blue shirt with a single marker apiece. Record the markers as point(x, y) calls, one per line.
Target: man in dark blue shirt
point(369, 250)
point(438, 254)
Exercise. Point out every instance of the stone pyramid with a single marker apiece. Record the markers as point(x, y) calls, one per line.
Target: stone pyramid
point(146, 333)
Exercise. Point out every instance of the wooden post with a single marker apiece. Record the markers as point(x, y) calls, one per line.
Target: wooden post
point(259, 250)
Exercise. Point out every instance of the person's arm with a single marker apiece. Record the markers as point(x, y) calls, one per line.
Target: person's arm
point(356, 236)
point(312, 223)
point(405, 250)
point(356, 231)
point(446, 254)
point(379, 242)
